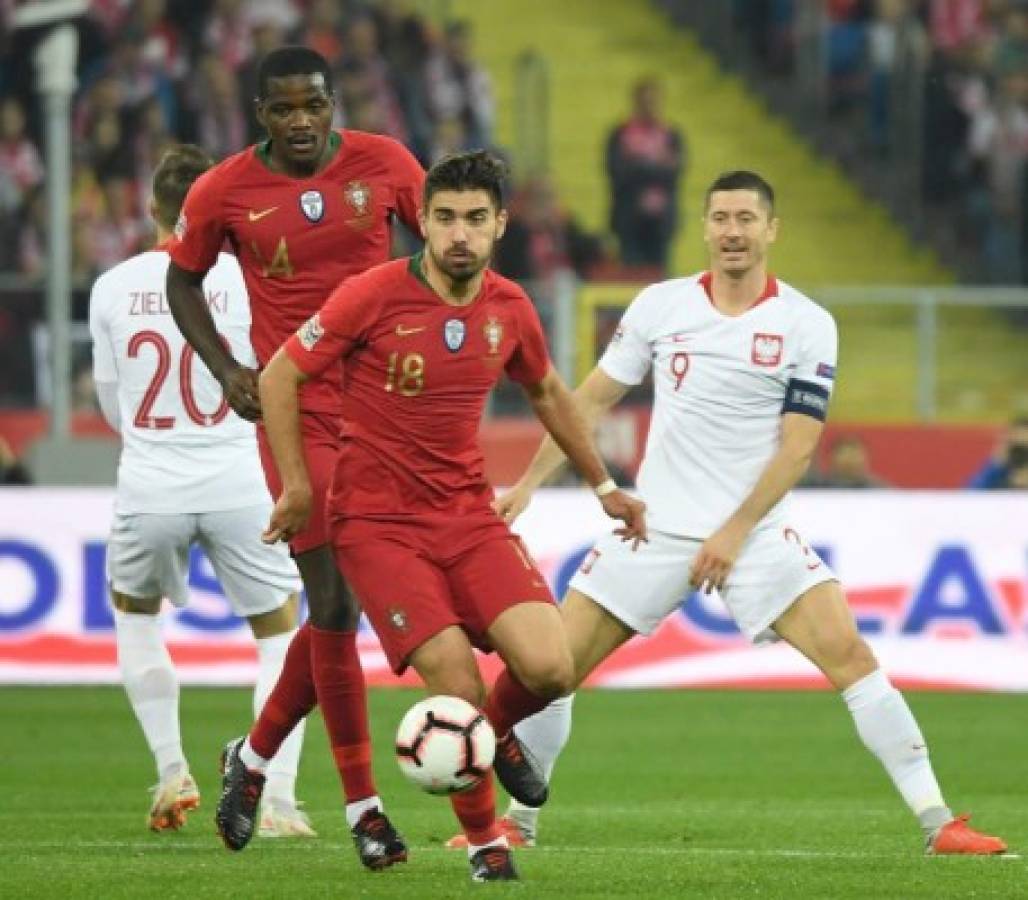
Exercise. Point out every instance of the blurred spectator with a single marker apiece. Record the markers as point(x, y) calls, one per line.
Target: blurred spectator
point(20, 164)
point(221, 123)
point(227, 33)
point(459, 88)
point(1008, 465)
point(541, 238)
point(323, 30)
point(365, 78)
point(645, 160)
point(12, 472)
point(849, 466)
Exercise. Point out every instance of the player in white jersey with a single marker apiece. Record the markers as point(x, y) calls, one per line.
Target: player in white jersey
point(189, 473)
point(743, 367)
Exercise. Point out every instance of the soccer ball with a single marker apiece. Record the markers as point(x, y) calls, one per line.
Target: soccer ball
point(444, 745)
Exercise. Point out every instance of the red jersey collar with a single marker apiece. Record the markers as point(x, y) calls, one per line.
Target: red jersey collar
point(770, 288)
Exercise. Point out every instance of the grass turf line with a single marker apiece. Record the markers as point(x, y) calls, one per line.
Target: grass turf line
point(660, 794)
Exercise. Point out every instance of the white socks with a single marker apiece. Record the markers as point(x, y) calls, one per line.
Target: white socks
point(545, 734)
point(280, 771)
point(888, 729)
point(151, 685)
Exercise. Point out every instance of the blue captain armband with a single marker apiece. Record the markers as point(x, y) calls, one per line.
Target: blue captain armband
point(806, 398)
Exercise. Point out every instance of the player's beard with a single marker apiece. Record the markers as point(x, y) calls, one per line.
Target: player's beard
point(462, 269)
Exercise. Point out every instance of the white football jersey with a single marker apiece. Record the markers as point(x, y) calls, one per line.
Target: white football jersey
point(721, 385)
point(183, 449)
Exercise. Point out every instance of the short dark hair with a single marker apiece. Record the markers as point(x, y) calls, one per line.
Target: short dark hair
point(175, 173)
point(742, 180)
point(291, 60)
point(477, 170)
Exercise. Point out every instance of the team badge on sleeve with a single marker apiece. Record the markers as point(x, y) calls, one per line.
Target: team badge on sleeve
point(767, 349)
point(310, 333)
point(313, 205)
point(453, 334)
point(493, 332)
point(825, 370)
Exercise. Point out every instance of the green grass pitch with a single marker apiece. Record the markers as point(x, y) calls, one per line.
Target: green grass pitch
point(660, 794)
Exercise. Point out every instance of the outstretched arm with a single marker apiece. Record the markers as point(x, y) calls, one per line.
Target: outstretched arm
point(188, 304)
point(570, 420)
point(279, 389)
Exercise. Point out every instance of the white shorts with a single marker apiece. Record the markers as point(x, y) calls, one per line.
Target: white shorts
point(148, 557)
point(644, 586)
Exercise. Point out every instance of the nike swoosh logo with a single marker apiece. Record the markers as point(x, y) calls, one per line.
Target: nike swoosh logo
point(257, 216)
point(403, 332)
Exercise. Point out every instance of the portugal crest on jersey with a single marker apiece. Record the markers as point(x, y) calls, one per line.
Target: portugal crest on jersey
point(313, 205)
point(454, 331)
point(358, 195)
point(767, 349)
point(493, 332)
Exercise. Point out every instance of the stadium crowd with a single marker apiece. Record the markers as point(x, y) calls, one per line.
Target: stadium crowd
point(967, 61)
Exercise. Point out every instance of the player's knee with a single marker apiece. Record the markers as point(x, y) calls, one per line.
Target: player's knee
point(551, 678)
point(461, 685)
point(333, 609)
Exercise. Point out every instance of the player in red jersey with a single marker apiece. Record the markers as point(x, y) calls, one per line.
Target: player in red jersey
point(422, 342)
point(303, 210)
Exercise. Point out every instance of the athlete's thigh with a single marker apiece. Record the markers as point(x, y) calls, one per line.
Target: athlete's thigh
point(321, 444)
point(640, 587)
point(403, 593)
point(256, 577)
point(494, 575)
point(148, 555)
point(446, 664)
point(775, 567)
point(593, 633)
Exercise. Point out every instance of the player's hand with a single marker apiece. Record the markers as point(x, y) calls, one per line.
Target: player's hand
point(290, 515)
point(241, 392)
point(512, 504)
point(716, 557)
point(630, 510)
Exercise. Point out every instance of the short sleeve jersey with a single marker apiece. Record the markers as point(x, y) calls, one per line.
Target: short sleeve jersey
point(183, 449)
point(418, 371)
point(721, 385)
point(297, 238)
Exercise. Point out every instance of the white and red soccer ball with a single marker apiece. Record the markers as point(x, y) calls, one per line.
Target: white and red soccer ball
point(444, 745)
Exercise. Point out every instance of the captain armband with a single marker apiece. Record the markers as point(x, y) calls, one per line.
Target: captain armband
point(807, 398)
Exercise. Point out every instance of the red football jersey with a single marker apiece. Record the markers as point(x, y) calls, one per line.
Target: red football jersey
point(418, 371)
point(297, 238)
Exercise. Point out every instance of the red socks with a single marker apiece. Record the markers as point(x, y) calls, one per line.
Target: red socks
point(292, 698)
point(509, 702)
point(339, 682)
point(476, 809)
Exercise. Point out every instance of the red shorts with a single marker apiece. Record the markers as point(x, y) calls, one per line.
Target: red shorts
point(416, 577)
point(321, 443)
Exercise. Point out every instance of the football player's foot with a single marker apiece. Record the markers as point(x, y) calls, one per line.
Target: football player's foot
point(493, 864)
point(518, 772)
point(284, 818)
point(957, 837)
point(378, 844)
point(172, 799)
point(240, 795)
point(517, 836)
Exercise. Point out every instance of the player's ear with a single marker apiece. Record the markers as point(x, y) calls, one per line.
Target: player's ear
point(258, 111)
point(423, 222)
point(772, 229)
point(501, 223)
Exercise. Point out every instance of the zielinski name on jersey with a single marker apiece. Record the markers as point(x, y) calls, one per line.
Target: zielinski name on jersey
point(154, 303)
